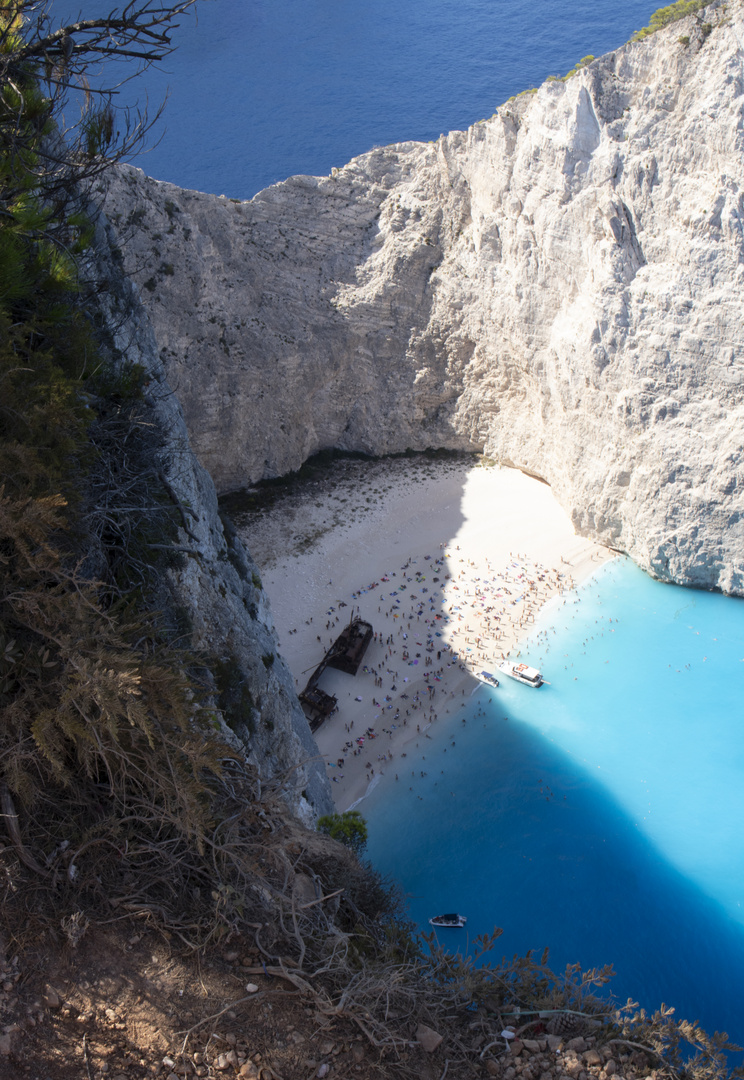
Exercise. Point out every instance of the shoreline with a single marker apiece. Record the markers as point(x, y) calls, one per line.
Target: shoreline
point(452, 564)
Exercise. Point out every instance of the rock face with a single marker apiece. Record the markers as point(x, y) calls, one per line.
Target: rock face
point(217, 591)
point(559, 286)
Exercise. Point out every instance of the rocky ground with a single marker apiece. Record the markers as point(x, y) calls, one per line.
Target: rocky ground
point(128, 1005)
point(125, 1006)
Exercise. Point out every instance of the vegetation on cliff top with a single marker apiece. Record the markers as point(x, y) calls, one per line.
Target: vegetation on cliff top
point(672, 13)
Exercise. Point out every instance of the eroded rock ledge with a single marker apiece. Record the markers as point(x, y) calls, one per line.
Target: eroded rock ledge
point(559, 286)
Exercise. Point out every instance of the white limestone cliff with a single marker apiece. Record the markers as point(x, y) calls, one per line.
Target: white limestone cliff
point(215, 590)
point(559, 286)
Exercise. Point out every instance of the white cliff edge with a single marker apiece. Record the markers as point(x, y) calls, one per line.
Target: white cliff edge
point(560, 286)
point(216, 590)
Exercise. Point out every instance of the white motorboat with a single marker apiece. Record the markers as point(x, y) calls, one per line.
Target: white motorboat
point(452, 920)
point(487, 677)
point(522, 673)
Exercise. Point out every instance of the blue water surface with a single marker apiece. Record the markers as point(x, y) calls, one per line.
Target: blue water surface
point(601, 815)
point(263, 89)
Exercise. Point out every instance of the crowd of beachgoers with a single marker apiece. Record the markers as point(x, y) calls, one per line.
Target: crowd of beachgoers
point(451, 574)
point(442, 618)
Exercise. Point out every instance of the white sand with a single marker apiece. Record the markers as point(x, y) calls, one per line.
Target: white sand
point(500, 546)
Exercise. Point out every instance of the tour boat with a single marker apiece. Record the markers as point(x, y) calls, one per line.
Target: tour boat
point(451, 920)
point(487, 677)
point(522, 673)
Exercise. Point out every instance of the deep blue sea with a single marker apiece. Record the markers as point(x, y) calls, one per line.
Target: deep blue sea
point(263, 89)
point(600, 815)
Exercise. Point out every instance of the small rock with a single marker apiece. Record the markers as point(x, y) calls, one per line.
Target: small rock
point(51, 998)
point(610, 1067)
point(222, 1062)
point(555, 1042)
point(231, 1038)
point(5, 1045)
point(492, 1067)
point(326, 1048)
point(428, 1038)
point(591, 1057)
point(516, 1046)
point(357, 1052)
point(198, 1058)
point(323, 1070)
point(577, 1044)
point(251, 988)
point(110, 1014)
point(168, 1063)
point(230, 957)
point(249, 1071)
point(531, 1045)
point(173, 1076)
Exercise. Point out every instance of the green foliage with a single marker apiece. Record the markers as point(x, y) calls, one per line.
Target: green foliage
point(235, 700)
point(672, 13)
point(348, 828)
point(584, 62)
point(103, 734)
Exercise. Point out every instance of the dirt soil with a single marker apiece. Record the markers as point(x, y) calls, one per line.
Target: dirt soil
point(127, 1005)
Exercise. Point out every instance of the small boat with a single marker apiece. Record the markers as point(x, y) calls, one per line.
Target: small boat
point(487, 677)
point(451, 920)
point(522, 673)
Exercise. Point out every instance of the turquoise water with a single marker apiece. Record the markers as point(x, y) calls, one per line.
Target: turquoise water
point(601, 815)
point(263, 89)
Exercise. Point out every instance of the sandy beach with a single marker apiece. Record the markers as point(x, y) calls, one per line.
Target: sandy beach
point(449, 561)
